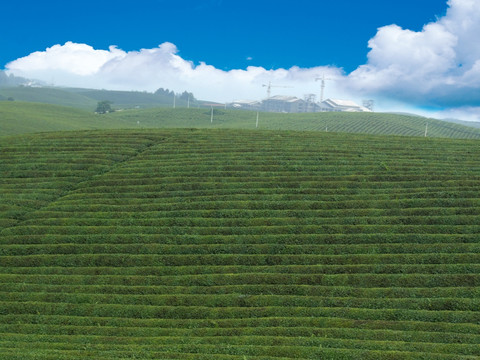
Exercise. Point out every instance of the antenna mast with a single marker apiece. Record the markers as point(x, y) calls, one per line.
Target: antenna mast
point(269, 89)
point(322, 92)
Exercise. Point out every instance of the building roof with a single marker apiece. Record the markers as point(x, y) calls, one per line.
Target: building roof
point(284, 98)
point(344, 105)
point(246, 102)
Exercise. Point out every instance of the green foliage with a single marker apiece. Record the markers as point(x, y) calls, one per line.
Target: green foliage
point(187, 96)
point(233, 244)
point(104, 107)
point(164, 92)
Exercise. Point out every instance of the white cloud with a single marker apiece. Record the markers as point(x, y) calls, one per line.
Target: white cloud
point(74, 64)
point(77, 59)
point(400, 58)
point(467, 113)
point(437, 66)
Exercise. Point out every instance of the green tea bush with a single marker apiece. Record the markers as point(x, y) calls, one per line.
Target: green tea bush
point(223, 244)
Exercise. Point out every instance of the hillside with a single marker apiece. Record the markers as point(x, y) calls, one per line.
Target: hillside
point(233, 245)
point(130, 99)
point(24, 117)
point(18, 117)
point(475, 124)
point(87, 99)
point(54, 96)
point(365, 123)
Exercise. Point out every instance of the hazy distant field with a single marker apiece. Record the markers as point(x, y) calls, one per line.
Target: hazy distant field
point(86, 99)
point(18, 117)
point(234, 244)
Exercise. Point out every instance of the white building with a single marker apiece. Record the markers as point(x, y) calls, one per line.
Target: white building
point(342, 105)
point(246, 105)
point(285, 104)
point(292, 104)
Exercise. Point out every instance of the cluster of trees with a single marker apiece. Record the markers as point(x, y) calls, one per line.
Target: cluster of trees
point(187, 96)
point(164, 92)
point(170, 93)
point(104, 107)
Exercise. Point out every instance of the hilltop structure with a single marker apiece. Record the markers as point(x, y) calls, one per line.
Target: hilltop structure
point(342, 105)
point(292, 104)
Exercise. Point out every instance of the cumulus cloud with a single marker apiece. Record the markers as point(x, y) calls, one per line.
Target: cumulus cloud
point(438, 66)
point(74, 64)
point(78, 59)
point(402, 57)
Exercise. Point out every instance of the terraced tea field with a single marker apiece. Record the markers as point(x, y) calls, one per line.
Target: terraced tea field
point(356, 123)
point(229, 244)
point(19, 118)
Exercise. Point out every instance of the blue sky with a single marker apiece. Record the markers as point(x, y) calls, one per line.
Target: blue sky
point(221, 33)
point(413, 55)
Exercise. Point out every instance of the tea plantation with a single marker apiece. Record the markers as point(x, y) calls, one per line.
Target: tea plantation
point(238, 244)
point(23, 117)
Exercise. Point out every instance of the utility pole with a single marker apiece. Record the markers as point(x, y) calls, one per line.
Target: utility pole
point(256, 125)
point(174, 99)
point(426, 129)
point(211, 116)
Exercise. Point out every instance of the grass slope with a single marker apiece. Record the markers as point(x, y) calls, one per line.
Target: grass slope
point(130, 99)
point(228, 244)
point(475, 124)
point(24, 117)
point(366, 123)
point(87, 99)
point(17, 118)
point(54, 96)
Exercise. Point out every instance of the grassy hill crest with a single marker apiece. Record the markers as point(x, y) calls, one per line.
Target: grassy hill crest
point(23, 117)
point(87, 99)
